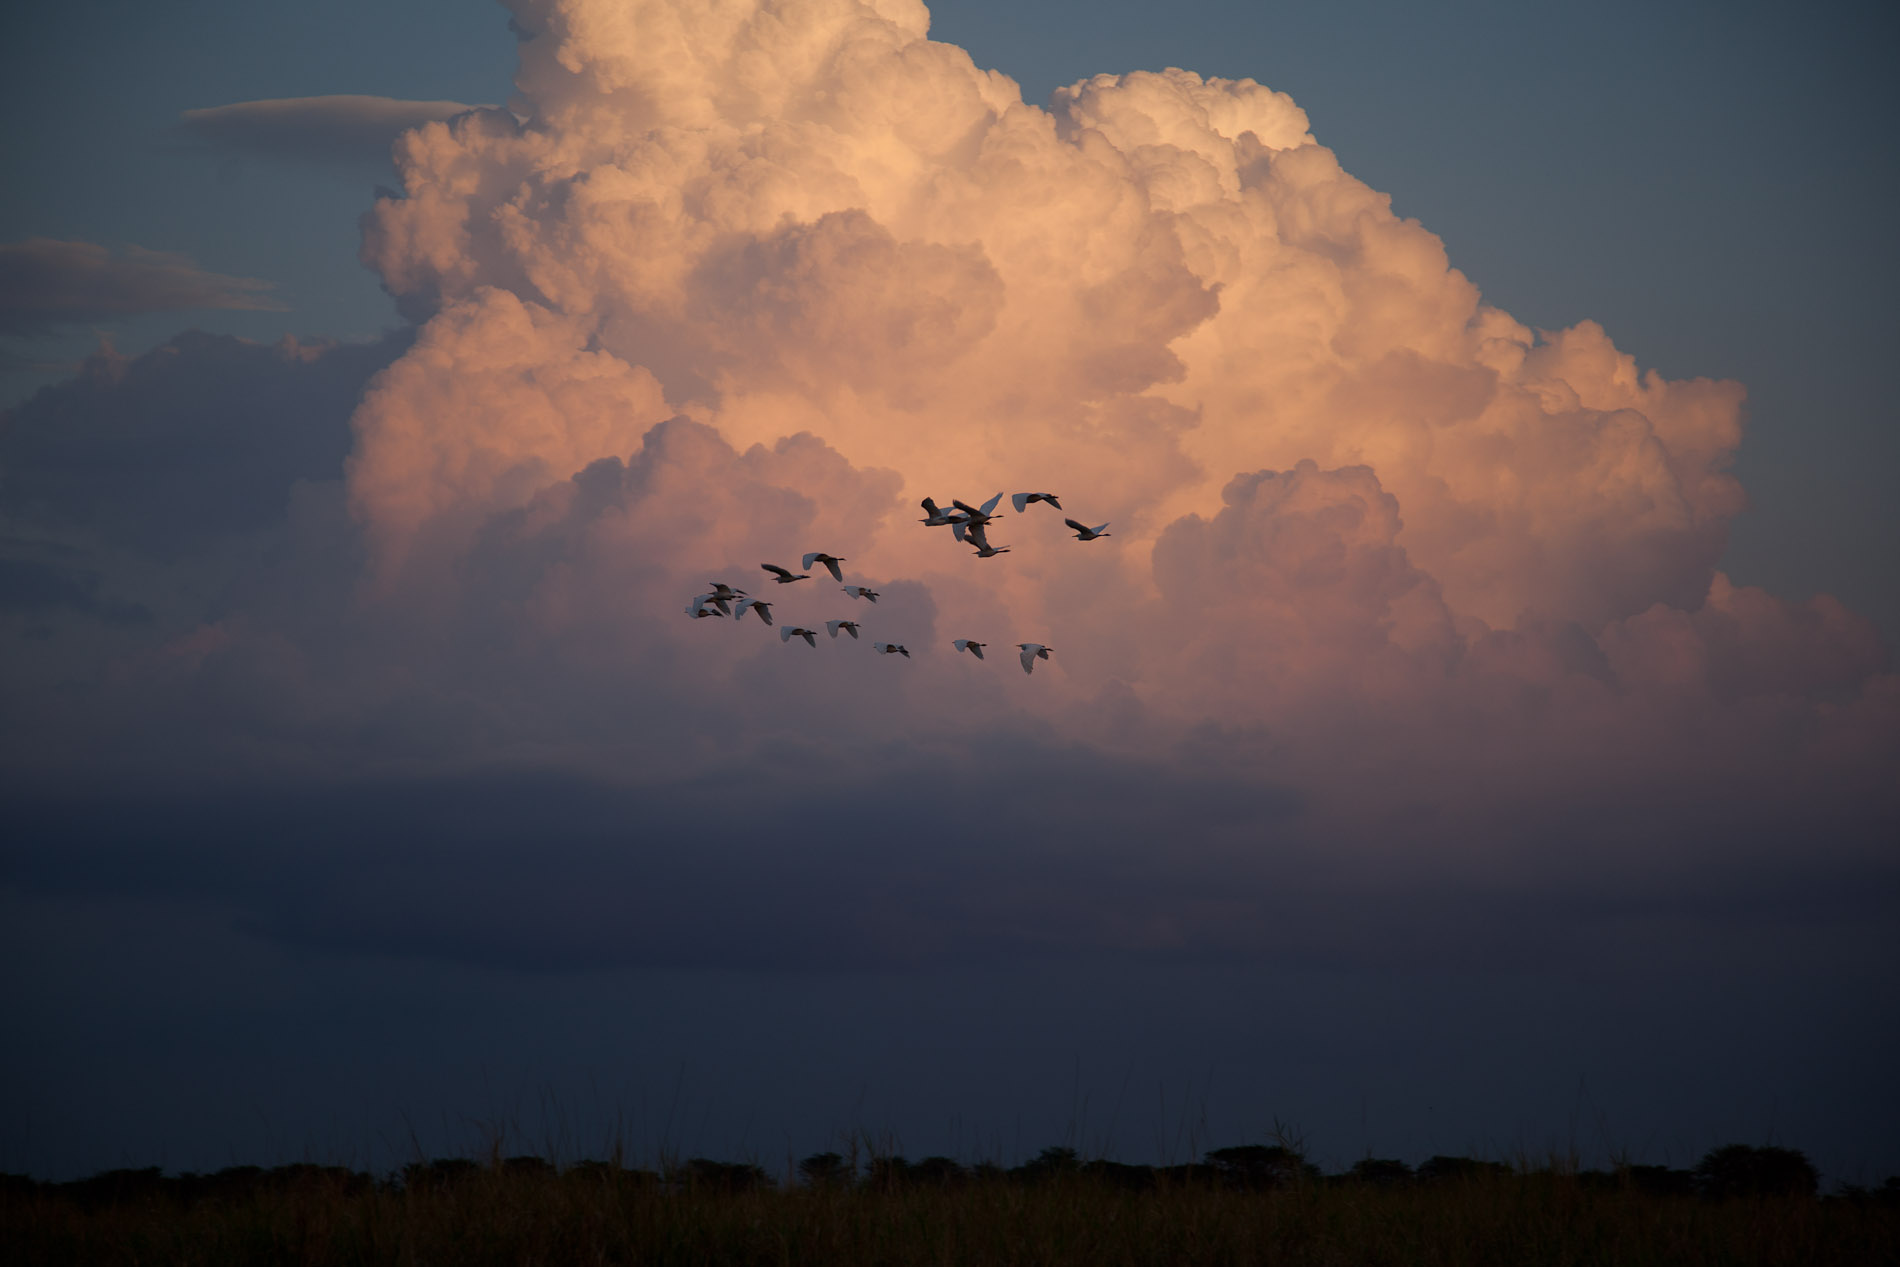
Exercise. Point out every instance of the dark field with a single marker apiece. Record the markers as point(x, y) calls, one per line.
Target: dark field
point(1248, 1205)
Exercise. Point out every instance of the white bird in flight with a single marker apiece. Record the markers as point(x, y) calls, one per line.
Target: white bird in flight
point(937, 518)
point(1020, 500)
point(831, 561)
point(783, 575)
point(977, 535)
point(788, 632)
point(849, 626)
point(1031, 652)
point(858, 591)
point(757, 604)
point(891, 648)
point(973, 647)
point(699, 609)
point(1085, 533)
point(979, 515)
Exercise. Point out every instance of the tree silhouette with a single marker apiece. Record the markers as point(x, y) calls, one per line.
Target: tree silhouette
point(1737, 1170)
point(824, 1170)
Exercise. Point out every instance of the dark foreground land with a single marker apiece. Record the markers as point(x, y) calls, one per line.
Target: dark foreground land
point(1257, 1205)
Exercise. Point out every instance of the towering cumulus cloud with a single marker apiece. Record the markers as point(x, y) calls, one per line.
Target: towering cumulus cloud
point(811, 216)
point(728, 282)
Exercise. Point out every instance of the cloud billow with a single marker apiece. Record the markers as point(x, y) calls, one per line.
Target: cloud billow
point(1402, 597)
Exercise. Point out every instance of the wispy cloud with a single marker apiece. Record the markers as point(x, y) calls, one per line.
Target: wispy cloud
point(47, 285)
point(333, 129)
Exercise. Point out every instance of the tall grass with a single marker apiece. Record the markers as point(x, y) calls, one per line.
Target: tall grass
point(528, 1212)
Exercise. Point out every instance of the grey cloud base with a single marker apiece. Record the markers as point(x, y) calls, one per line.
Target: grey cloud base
point(900, 867)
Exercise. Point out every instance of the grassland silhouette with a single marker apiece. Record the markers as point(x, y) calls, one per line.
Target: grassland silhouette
point(1247, 1203)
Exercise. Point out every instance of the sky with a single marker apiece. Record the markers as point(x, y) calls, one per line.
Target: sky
point(1476, 734)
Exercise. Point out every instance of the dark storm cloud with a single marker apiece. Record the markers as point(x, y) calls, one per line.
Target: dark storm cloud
point(757, 870)
point(48, 285)
point(194, 441)
point(903, 865)
point(332, 129)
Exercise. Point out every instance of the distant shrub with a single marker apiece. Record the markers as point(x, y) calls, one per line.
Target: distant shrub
point(1738, 1170)
point(1118, 1175)
point(1660, 1181)
point(702, 1174)
point(938, 1170)
point(887, 1174)
point(1258, 1166)
point(441, 1172)
point(1381, 1170)
point(118, 1187)
point(1435, 1169)
point(824, 1170)
point(1049, 1163)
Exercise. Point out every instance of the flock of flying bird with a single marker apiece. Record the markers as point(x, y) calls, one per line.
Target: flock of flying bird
point(969, 524)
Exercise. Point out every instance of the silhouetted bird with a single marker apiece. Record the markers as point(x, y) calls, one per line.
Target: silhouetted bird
point(1032, 651)
point(783, 575)
point(1085, 533)
point(974, 648)
point(756, 604)
point(891, 648)
point(858, 591)
point(935, 518)
point(849, 626)
point(788, 632)
point(1020, 500)
point(831, 561)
